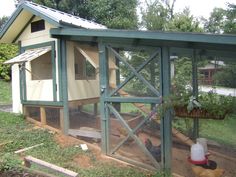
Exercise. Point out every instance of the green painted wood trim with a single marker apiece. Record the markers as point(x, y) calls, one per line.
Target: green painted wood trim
point(104, 87)
point(23, 29)
point(151, 35)
point(144, 120)
point(166, 127)
point(131, 76)
point(44, 44)
point(20, 74)
point(10, 21)
point(44, 103)
point(195, 92)
point(54, 70)
point(24, 83)
point(139, 76)
point(64, 87)
point(54, 75)
point(155, 100)
point(59, 61)
point(134, 136)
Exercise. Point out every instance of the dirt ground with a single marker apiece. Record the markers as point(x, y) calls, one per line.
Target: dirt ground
point(224, 157)
point(180, 153)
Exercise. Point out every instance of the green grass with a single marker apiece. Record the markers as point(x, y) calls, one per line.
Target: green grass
point(5, 93)
point(15, 129)
point(221, 131)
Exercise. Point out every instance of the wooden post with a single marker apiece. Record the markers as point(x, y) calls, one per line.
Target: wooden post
point(166, 127)
point(95, 109)
point(62, 119)
point(43, 116)
point(195, 93)
point(104, 87)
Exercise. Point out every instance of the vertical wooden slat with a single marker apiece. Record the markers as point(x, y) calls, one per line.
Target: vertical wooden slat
point(65, 122)
point(43, 116)
point(166, 134)
point(61, 119)
point(95, 109)
point(195, 93)
point(104, 87)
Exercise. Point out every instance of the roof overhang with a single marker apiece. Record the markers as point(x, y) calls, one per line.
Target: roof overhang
point(28, 55)
point(19, 20)
point(180, 43)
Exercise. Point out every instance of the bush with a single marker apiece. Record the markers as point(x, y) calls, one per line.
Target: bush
point(7, 51)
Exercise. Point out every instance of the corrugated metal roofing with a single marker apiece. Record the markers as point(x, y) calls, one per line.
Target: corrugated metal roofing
point(62, 17)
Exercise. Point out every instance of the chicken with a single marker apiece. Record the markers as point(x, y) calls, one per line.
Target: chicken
point(202, 172)
point(154, 150)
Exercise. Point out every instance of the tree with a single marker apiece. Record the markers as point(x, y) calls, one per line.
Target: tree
point(184, 22)
point(230, 24)
point(155, 16)
point(215, 23)
point(3, 20)
point(119, 14)
point(227, 76)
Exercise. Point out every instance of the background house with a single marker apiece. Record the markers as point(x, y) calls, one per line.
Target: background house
point(207, 72)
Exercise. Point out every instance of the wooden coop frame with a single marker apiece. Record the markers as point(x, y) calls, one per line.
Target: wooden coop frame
point(167, 43)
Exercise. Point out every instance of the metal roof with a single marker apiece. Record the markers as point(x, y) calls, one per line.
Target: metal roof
point(25, 13)
point(63, 18)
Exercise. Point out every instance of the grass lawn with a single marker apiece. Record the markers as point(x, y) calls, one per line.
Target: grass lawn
point(221, 131)
point(5, 93)
point(20, 134)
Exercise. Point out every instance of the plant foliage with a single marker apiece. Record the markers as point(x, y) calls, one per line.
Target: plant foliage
point(7, 51)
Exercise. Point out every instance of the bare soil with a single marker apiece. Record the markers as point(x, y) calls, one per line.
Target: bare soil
point(225, 157)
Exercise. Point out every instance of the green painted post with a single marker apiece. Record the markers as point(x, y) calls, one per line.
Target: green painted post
point(20, 74)
point(59, 69)
point(195, 93)
point(54, 74)
point(117, 105)
point(166, 127)
point(104, 87)
point(24, 88)
point(65, 121)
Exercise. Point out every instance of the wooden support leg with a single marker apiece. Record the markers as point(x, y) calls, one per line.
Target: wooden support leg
point(61, 119)
point(43, 116)
point(95, 109)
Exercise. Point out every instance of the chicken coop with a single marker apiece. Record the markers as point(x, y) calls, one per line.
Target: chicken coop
point(81, 79)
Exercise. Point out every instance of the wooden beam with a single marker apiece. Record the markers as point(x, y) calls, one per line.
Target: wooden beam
point(66, 172)
point(43, 126)
point(62, 119)
point(28, 148)
point(85, 133)
point(76, 103)
point(43, 116)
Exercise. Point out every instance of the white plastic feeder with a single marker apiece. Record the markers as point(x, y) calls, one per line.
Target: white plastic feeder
point(197, 153)
point(203, 142)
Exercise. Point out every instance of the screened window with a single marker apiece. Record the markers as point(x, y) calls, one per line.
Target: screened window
point(84, 70)
point(37, 26)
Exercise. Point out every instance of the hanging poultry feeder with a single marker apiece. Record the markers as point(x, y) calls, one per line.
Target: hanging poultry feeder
point(196, 113)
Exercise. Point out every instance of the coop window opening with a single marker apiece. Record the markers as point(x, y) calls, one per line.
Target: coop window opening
point(41, 68)
point(84, 70)
point(37, 26)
